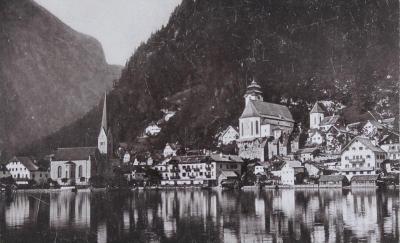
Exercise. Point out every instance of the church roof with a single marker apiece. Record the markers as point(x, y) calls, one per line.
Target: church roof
point(318, 108)
point(257, 108)
point(104, 117)
point(77, 153)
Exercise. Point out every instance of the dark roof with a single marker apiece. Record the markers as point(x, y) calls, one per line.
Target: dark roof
point(77, 153)
point(226, 158)
point(257, 108)
point(318, 108)
point(26, 161)
point(332, 178)
point(366, 142)
point(330, 120)
point(365, 178)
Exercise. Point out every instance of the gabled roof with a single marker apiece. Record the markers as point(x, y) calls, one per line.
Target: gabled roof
point(364, 178)
point(226, 130)
point(366, 142)
point(318, 108)
point(256, 108)
point(229, 174)
point(77, 153)
point(334, 178)
point(330, 120)
point(226, 158)
point(26, 161)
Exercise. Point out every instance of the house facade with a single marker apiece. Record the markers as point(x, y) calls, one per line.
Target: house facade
point(23, 169)
point(152, 129)
point(361, 157)
point(74, 166)
point(229, 135)
point(4, 172)
point(288, 172)
point(198, 169)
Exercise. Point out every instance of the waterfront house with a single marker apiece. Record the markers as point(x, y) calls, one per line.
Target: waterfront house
point(23, 169)
point(360, 157)
point(364, 180)
point(227, 136)
point(74, 166)
point(316, 169)
point(333, 181)
point(198, 169)
point(289, 172)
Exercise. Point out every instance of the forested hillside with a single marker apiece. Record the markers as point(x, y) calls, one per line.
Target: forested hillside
point(298, 51)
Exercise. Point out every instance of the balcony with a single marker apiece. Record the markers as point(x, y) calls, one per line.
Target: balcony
point(360, 160)
point(356, 169)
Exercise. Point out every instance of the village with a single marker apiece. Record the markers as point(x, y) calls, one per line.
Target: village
point(264, 151)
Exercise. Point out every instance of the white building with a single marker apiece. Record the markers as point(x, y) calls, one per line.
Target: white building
point(229, 135)
point(288, 172)
point(360, 157)
point(317, 114)
point(258, 122)
point(315, 137)
point(390, 144)
point(74, 166)
point(23, 169)
point(198, 169)
point(170, 149)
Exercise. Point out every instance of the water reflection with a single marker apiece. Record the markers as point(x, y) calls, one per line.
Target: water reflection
point(202, 216)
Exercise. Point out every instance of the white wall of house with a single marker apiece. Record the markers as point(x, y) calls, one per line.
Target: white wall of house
point(357, 159)
point(152, 130)
point(18, 170)
point(258, 169)
point(229, 135)
point(315, 120)
point(393, 150)
point(83, 172)
point(316, 138)
point(168, 151)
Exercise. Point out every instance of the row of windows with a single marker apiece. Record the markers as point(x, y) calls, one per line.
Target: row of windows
point(358, 157)
point(355, 165)
point(252, 129)
point(16, 169)
point(59, 172)
point(360, 173)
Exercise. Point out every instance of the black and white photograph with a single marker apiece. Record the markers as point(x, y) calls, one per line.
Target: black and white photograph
point(199, 121)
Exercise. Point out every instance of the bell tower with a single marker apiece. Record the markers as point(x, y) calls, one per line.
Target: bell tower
point(253, 92)
point(102, 139)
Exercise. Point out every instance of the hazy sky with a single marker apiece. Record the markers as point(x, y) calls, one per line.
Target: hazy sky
point(120, 25)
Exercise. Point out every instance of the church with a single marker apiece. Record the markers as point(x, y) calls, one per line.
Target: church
point(76, 165)
point(264, 128)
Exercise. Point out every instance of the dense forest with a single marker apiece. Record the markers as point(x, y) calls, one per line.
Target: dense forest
point(203, 59)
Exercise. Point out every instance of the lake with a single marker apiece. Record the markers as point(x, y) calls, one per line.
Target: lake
point(195, 215)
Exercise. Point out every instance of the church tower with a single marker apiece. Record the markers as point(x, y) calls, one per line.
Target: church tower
point(253, 92)
point(317, 114)
point(104, 138)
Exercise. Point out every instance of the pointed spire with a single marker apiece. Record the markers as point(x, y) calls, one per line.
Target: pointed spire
point(104, 117)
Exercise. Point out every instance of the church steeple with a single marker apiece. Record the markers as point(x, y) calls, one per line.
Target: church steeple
point(104, 135)
point(104, 117)
point(253, 92)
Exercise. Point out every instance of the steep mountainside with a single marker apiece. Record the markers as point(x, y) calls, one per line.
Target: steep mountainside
point(298, 51)
point(50, 75)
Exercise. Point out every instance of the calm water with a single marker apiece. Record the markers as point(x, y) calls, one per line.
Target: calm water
point(202, 216)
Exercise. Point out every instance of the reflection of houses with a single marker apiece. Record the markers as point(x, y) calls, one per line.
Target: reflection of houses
point(360, 156)
point(23, 169)
point(20, 211)
point(74, 166)
point(68, 209)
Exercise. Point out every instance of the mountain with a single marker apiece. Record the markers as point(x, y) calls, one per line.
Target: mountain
point(50, 75)
point(298, 51)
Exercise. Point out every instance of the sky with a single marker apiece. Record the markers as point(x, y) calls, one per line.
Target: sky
point(120, 25)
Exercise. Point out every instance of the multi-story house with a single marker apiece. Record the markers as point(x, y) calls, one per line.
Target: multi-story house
point(227, 136)
point(23, 169)
point(288, 172)
point(360, 156)
point(198, 169)
point(390, 144)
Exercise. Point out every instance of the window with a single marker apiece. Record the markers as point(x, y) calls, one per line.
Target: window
point(360, 148)
point(256, 127)
point(59, 170)
point(251, 128)
point(368, 156)
point(242, 129)
point(80, 171)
